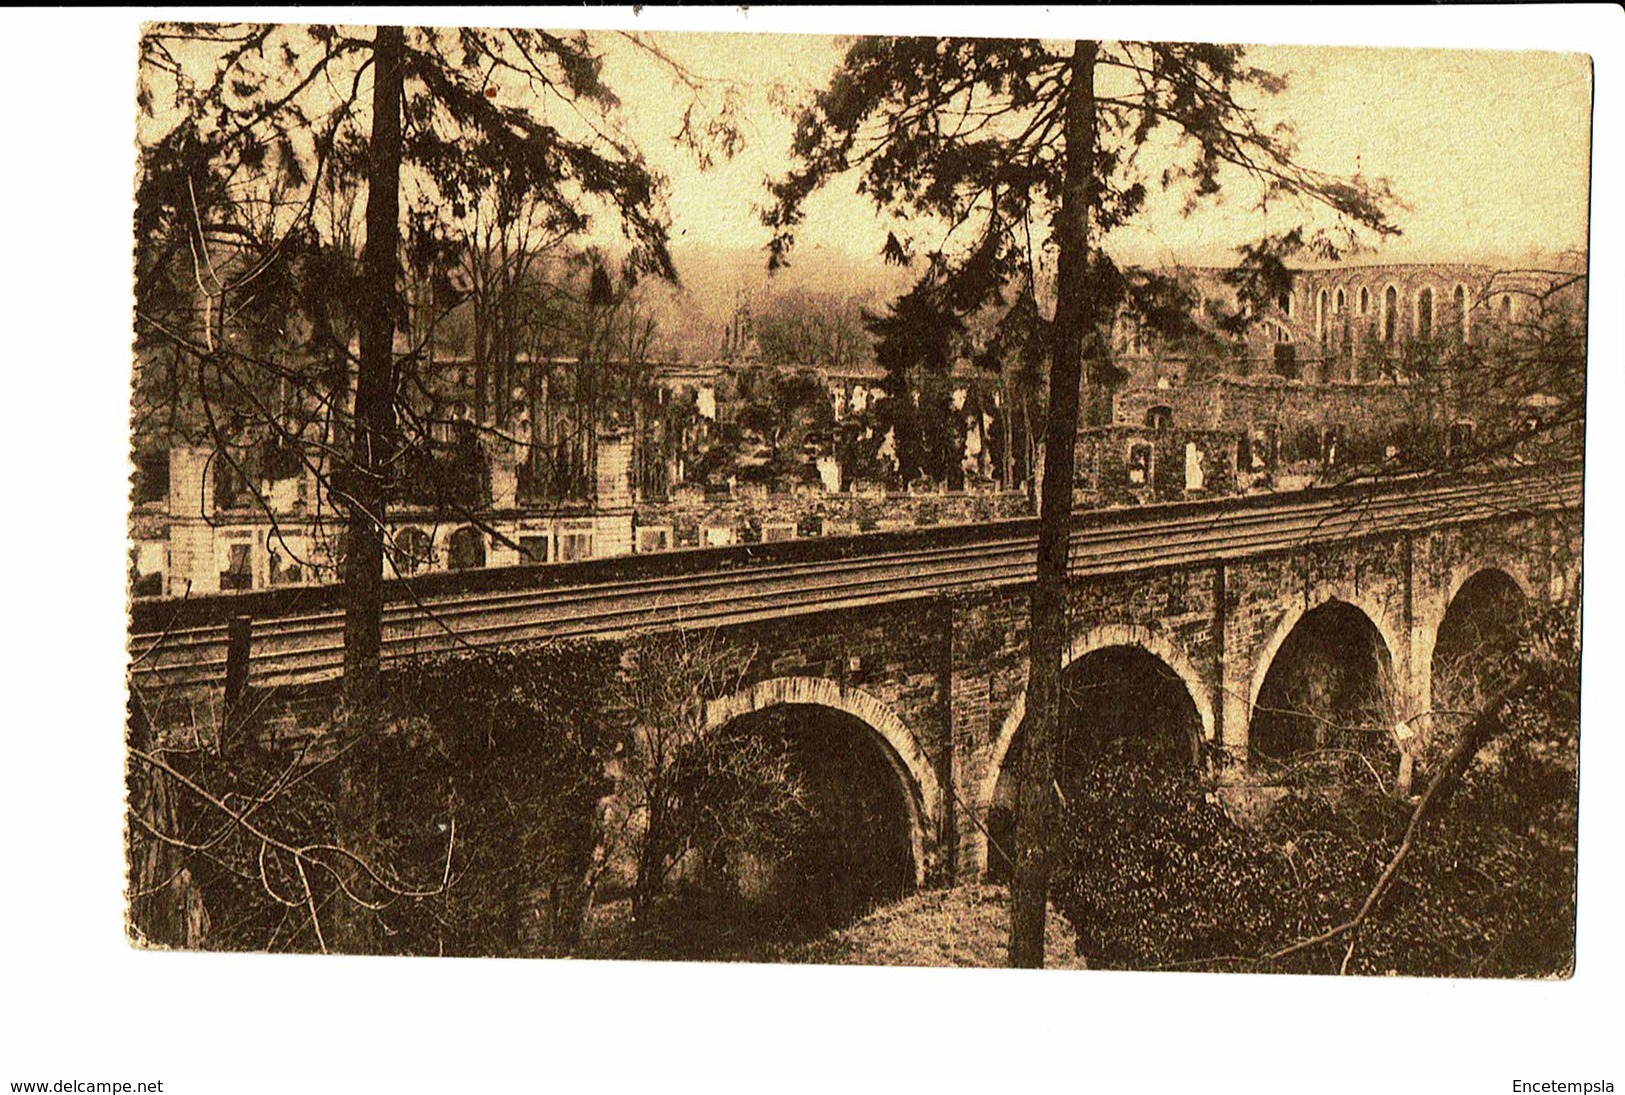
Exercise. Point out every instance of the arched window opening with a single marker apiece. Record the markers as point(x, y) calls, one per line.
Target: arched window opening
point(1460, 440)
point(1286, 359)
point(1322, 328)
point(1265, 446)
point(1341, 302)
point(1424, 314)
point(1460, 301)
point(576, 543)
point(1331, 447)
point(1365, 301)
point(467, 549)
point(1390, 315)
point(1139, 463)
point(337, 548)
point(238, 573)
point(1285, 302)
point(152, 478)
point(1160, 417)
point(535, 547)
point(413, 550)
point(232, 488)
point(1506, 308)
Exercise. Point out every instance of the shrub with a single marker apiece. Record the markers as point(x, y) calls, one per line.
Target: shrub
point(513, 745)
point(482, 811)
point(1152, 872)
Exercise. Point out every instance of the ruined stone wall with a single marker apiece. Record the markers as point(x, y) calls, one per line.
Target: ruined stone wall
point(751, 516)
point(1234, 403)
point(1339, 323)
point(1369, 419)
point(1408, 281)
point(1131, 465)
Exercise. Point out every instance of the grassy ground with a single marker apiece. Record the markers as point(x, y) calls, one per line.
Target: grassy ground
point(964, 926)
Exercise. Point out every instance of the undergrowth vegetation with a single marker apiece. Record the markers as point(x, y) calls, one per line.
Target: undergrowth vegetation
point(484, 794)
point(1154, 873)
point(495, 835)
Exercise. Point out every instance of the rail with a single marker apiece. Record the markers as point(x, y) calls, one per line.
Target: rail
point(308, 647)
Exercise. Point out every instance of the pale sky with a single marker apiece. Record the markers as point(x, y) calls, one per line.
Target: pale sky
point(1489, 149)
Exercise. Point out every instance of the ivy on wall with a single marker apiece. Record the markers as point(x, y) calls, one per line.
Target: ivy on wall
point(513, 744)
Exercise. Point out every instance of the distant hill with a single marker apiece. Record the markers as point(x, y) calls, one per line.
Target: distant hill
point(715, 280)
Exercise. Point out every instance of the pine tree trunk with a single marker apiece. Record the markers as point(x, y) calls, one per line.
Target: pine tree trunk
point(1006, 410)
point(1074, 319)
point(482, 383)
point(365, 495)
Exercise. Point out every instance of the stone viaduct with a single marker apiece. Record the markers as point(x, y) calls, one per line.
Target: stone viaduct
point(939, 683)
point(929, 684)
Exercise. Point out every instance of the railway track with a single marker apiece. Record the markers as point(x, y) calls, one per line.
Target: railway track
point(305, 648)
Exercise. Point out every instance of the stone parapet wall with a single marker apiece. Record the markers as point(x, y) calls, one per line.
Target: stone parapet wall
point(748, 516)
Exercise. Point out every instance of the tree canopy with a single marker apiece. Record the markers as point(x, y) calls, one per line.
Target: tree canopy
point(261, 142)
point(1002, 150)
point(962, 139)
point(253, 172)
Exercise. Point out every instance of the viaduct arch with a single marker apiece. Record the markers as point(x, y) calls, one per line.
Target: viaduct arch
point(1331, 667)
point(922, 794)
point(1434, 609)
point(1096, 639)
point(1474, 640)
point(1373, 613)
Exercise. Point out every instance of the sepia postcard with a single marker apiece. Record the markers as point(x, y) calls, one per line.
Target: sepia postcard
point(1088, 503)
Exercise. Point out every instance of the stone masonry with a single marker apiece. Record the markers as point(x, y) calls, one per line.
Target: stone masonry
point(941, 681)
